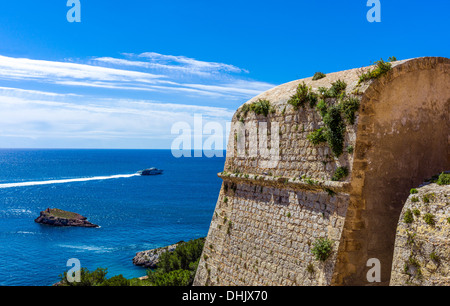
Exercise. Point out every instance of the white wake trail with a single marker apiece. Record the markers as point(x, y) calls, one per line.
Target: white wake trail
point(85, 179)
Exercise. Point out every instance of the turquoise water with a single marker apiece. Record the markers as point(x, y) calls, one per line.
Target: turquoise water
point(135, 213)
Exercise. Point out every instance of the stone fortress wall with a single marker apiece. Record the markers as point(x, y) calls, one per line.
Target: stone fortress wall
point(271, 213)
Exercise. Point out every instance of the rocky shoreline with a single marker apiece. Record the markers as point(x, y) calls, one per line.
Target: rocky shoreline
point(150, 258)
point(61, 218)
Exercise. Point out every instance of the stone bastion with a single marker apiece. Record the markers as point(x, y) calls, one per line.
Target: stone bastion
point(322, 196)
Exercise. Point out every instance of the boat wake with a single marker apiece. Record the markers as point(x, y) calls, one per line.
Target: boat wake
point(64, 181)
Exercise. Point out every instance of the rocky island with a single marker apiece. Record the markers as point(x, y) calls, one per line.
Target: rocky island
point(58, 217)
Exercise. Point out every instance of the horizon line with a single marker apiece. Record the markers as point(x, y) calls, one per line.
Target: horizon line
point(161, 149)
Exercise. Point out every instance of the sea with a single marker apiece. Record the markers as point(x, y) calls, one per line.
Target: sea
point(135, 213)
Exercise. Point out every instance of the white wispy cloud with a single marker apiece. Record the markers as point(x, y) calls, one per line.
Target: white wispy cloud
point(151, 65)
point(46, 103)
point(88, 75)
point(193, 64)
point(23, 68)
point(29, 92)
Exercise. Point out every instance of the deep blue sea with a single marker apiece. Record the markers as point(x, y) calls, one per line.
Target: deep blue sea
point(135, 213)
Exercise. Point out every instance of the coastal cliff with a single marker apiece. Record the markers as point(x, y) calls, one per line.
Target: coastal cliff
point(58, 217)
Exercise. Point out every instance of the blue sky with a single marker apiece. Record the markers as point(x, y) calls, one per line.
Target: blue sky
point(123, 76)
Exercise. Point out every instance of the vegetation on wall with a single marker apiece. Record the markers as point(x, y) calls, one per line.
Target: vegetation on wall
point(408, 217)
point(340, 173)
point(423, 226)
point(349, 107)
point(443, 179)
point(322, 248)
point(317, 136)
point(381, 67)
point(337, 89)
point(429, 219)
point(302, 96)
point(322, 107)
point(259, 107)
point(335, 129)
point(318, 75)
point(334, 115)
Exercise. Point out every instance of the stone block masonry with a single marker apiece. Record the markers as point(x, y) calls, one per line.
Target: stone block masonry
point(269, 215)
point(268, 233)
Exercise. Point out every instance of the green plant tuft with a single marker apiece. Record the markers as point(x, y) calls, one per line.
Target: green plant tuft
point(381, 67)
point(408, 217)
point(340, 173)
point(322, 107)
point(318, 76)
point(392, 59)
point(261, 107)
point(302, 96)
point(330, 192)
point(349, 106)
point(427, 197)
point(410, 238)
point(323, 92)
point(443, 179)
point(316, 137)
point(337, 89)
point(413, 191)
point(322, 249)
point(434, 257)
point(429, 219)
point(335, 130)
point(350, 149)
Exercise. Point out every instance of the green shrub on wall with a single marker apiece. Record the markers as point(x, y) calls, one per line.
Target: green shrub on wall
point(381, 67)
point(302, 96)
point(322, 249)
point(318, 75)
point(316, 137)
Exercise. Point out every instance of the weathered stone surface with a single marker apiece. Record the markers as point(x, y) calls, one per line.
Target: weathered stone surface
point(269, 212)
point(422, 250)
point(58, 217)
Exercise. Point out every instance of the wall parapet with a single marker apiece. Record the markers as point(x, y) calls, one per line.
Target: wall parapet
point(293, 183)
